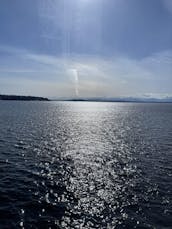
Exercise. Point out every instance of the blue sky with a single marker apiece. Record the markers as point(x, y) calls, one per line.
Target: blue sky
point(62, 48)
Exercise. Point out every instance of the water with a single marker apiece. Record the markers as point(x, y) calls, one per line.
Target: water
point(85, 165)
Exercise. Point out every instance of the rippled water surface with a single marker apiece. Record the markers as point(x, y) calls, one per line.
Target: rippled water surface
point(85, 165)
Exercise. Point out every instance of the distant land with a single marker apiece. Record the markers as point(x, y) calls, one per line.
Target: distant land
point(120, 99)
point(22, 98)
point(90, 99)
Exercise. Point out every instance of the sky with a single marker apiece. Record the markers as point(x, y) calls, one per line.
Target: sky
point(86, 48)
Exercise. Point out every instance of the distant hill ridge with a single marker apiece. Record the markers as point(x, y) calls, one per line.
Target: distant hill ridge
point(22, 98)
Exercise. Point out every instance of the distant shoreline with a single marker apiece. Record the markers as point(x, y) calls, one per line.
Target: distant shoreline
point(109, 101)
point(22, 98)
point(115, 100)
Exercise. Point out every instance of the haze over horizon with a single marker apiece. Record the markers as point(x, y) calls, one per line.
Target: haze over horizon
point(86, 48)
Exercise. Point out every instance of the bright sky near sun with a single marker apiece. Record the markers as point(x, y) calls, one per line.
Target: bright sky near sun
point(86, 48)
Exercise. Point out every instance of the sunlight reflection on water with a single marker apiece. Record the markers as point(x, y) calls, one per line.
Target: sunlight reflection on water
point(85, 165)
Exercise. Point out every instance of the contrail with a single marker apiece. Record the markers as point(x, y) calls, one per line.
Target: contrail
point(74, 73)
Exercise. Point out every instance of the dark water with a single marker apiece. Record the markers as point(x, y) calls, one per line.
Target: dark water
point(85, 165)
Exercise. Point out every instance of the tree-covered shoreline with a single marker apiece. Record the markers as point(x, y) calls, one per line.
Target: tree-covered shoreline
point(22, 98)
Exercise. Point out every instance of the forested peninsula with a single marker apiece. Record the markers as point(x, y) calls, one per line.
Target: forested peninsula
point(22, 98)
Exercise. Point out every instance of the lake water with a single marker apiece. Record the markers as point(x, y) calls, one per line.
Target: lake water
point(85, 165)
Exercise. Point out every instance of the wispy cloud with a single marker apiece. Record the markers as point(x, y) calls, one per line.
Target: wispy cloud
point(168, 5)
point(88, 75)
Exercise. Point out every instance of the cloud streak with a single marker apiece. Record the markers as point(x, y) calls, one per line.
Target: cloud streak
point(74, 74)
point(87, 75)
point(168, 5)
